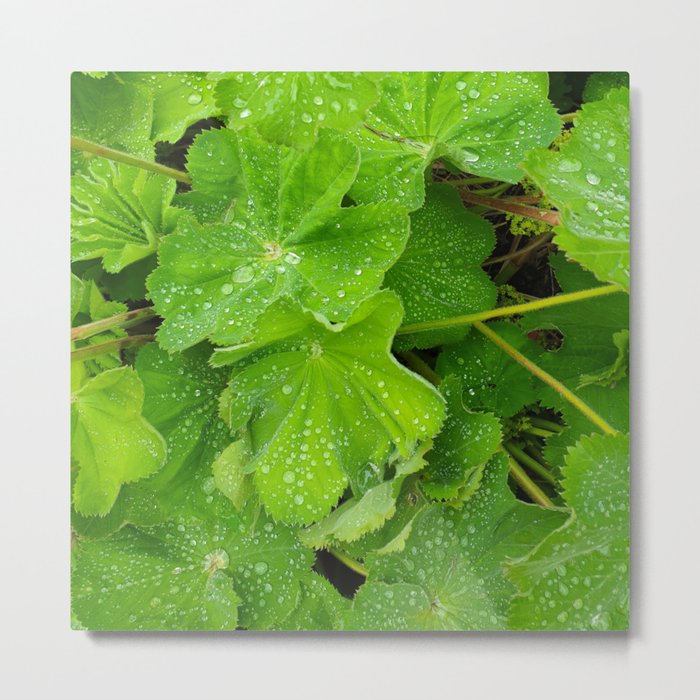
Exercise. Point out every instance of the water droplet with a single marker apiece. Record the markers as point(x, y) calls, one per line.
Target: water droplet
point(194, 99)
point(245, 113)
point(226, 289)
point(569, 165)
point(318, 100)
point(592, 178)
point(292, 258)
point(298, 499)
point(287, 389)
point(460, 85)
point(306, 118)
point(469, 156)
point(243, 274)
point(474, 93)
point(260, 567)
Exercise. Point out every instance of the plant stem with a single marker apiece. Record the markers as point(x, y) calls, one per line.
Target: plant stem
point(348, 561)
point(469, 181)
point(547, 215)
point(530, 462)
point(125, 320)
point(121, 157)
point(536, 242)
point(527, 484)
point(509, 310)
point(548, 379)
point(419, 365)
point(539, 432)
point(568, 118)
point(547, 424)
point(90, 351)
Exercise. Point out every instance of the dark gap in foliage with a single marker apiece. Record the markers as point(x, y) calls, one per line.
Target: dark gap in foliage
point(343, 578)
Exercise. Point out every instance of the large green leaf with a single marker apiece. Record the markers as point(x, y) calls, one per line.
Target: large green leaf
point(119, 213)
point(448, 577)
point(190, 574)
point(181, 400)
point(179, 100)
point(491, 379)
point(112, 113)
point(599, 84)
point(326, 403)
point(463, 446)
point(439, 273)
point(320, 607)
point(111, 441)
point(589, 329)
point(588, 181)
point(288, 237)
point(483, 123)
point(291, 108)
point(577, 578)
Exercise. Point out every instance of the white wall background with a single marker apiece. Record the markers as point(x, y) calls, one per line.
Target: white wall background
point(40, 657)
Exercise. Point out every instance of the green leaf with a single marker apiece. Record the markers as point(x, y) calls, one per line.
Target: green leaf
point(599, 84)
point(111, 441)
point(291, 108)
point(483, 123)
point(449, 576)
point(363, 514)
point(119, 213)
point(179, 100)
point(112, 113)
point(230, 476)
point(588, 181)
point(320, 608)
point(439, 273)
point(135, 505)
point(463, 446)
point(611, 375)
point(323, 401)
point(588, 349)
point(491, 380)
point(289, 237)
point(175, 576)
point(181, 400)
point(577, 578)
point(77, 291)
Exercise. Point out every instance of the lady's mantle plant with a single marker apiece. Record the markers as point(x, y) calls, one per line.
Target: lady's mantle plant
point(296, 369)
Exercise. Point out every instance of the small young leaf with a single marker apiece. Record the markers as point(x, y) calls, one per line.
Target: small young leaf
point(577, 578)
point(491, 380)
point(483, 123)
point(321, 401)
point(119, 213)
point(289, 237)
point(465, 443)
point(291, 108)
point(111, 441)
point(588, 181)
point(230, 476)
point(320, 607)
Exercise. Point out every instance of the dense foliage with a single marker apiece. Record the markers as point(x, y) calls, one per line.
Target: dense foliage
point(350, 351)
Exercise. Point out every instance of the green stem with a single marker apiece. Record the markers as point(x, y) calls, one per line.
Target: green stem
point(529, 462)
point(568, 118)
point(547, 424)
point(419, 365)
point(509, 310)
point(527, 484)
point(469, 181)
point(547, 378)
point(549, 216)
point(125, 320)
point(90, 351)
point(348, 561)
point(539, 432)
point(494, 191)
point(121, 157)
